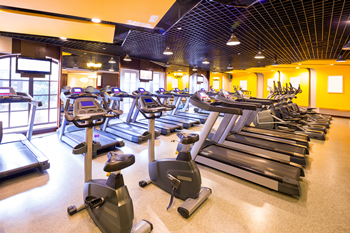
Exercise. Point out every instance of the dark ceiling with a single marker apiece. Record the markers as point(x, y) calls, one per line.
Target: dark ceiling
point(292, 30)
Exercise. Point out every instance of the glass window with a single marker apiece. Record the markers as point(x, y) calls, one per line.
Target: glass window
point(4, 107)
point(5, 68)
point(4, 117)
point(53, 101)
point(44, 100)
point(20, 86)
point(53, 87)
point(18, 118)
point(53, 115)
point(41, 116)
point(41, 87)
point(19, 106)
point(4, 83)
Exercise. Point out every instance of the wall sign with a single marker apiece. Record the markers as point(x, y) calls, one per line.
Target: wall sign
point(295, 82)
point(216, 85)
point(244, 84)
point(335, 84)
point(270, 83)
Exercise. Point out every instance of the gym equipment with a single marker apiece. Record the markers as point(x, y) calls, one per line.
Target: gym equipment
point(180, 177)
point(122, 129)
point(73, 135)
point(107, 201)
point(277, 176)
point(17, 153)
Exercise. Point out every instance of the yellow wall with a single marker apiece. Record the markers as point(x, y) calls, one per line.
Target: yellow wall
point(332, 100)
point(181, 81)
point(74, 80)
point(216, 75)
point(251, 79)
point(303, 98)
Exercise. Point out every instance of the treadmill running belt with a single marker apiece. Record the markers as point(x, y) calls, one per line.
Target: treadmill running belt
point(255, 163)
point(267, 143)
point(273, 133)
point(16, 156)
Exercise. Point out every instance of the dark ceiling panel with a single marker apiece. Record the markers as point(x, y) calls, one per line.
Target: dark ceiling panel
point(292, 30)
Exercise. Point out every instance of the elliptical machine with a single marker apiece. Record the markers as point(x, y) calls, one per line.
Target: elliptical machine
point(180, 177)
point(107, 201)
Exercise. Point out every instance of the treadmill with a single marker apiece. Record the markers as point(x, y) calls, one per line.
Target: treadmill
point(182, 113)
point(184, 122)
point(274, 149)
point(17, 153)
point(122, 129)
point(212, 94)
point(275, 175)
point(73, 135)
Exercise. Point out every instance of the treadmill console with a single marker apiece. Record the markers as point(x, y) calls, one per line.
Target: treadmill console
point(76, 91)
point(141, 91)
point(115, 90)
point(202, 89)
point(87, 107)
point(161, 90)
point(176, 90)
point(148, 104)
point(7, 91)
point(202, 96)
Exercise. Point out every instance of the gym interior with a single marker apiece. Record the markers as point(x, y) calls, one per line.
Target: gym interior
point(175, 116)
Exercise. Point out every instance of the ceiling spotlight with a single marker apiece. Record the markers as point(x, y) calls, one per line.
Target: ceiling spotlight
point(296, 67)
point(111, 60)
point(299, 64)
point(340, 59)
point(167, 51)
point(103, 48)
point(206, 61)
point(96, 20)
point(347, 46)
point(233, 40)
point(63, 38)
point(332, 64)
point(230, 67)
point(259, 55)
point(179, 28)
point(194, 68)
point(127, 58)
point(167, 64)
point(84, 53)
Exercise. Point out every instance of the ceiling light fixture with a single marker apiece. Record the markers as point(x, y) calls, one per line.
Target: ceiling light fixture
point(179, 28)
point(233, 40)
point(96, 20)
point(259, 55)
point(340, 59)
point(347, 46)
point(167, 64)
point(206, 61)
point(111, 69)
point(180, 70)
point(194, 68)
point(93, 66)
point(299, 64)
point(127, 58)
point(275, 63)
point(167, 51)
point(296, 67)
point(332, 64)
point(75, 66)
point(63, 38)
point(111, 60)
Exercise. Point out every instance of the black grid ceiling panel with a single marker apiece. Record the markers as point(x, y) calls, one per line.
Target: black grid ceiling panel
point(292, 30)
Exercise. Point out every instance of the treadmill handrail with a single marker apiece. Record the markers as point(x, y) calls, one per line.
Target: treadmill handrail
point(226, 108)
point(0, 131)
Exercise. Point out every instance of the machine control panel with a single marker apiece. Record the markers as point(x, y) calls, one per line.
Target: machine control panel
point(201, 96)
point(176, 90)
point(77, 91)
point(162, 90)
point(150, 105)
point(87, 106)
point(115, 90)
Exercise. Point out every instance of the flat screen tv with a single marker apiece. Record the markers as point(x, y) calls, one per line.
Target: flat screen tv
point(200, 79)
point(146, 75)
point(27, 65)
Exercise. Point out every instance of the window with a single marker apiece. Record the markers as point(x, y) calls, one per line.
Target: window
point(41, 89)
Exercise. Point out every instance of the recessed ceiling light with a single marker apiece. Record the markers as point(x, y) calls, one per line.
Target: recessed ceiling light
point(179, 28)
point(272, 70)
point(296, 67)
point(84, 53)
point(332, 64)
point(96, 20)
point(299, 64)
point(63, 38)
point(103, 48)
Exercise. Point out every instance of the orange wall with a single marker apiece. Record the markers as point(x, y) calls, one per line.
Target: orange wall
point(332, 100)
point(251, 79)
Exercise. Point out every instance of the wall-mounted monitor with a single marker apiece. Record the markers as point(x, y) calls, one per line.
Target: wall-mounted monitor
point(27, 65)
point(146, 75)
point(200, 79)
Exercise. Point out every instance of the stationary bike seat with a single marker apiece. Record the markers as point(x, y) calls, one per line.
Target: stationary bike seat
point(188, 138)
point(118, 162)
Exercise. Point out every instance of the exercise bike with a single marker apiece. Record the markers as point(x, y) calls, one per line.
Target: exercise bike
point(107, 201)
point(180, 177)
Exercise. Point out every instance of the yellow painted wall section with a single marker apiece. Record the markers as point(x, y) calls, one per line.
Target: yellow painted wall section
point(181, 81)
point(303, 98)
point(339, 101)
point(251, 79)
point(215, 75)
point(267, 76)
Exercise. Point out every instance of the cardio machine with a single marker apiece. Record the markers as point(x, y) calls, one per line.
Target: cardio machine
point(180, 177)
point(107, 201)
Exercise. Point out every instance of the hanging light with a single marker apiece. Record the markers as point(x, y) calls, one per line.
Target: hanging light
point(167, 51)
point(230, 67)
point(341, 59)
point(259, 55)
point(275, 63)
point(180, 70)
point(194, 68)
point(167, 64)
point(233, 40)
point(347, 46)
point(127, 58)
point(75, 66)
point(205, 61)
point(111, 60)
point(111, 69)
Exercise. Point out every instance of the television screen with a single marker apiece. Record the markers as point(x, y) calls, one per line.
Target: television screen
point(33, 65)
point(146, 75)
point(200, 79)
